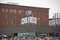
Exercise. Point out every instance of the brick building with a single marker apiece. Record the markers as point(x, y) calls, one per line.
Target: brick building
point(17, 18)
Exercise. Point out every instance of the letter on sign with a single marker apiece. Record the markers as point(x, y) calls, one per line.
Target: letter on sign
point(29, 20)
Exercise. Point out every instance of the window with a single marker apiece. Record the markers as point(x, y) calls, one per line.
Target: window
point(5, 10)
point(13, 11)
point(36, 13)
point(4, 16)
point(21, 11)
point(12, 17)
point(12, 22)
point(44, 14)
point(5, 22)
point(39, 13)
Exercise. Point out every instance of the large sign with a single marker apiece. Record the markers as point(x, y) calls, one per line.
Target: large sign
point(27, 34)
point(29, 20)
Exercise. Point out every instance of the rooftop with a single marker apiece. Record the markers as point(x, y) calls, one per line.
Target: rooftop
point(22, 6)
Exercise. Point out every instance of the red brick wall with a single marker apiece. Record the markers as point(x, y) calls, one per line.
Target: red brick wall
point(44, 13)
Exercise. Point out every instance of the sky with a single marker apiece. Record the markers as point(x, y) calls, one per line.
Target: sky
point(54, 5)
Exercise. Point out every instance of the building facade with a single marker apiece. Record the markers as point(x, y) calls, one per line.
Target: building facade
point(55, 20)
point(51, 22)
point(12, 16)
point(56, 15)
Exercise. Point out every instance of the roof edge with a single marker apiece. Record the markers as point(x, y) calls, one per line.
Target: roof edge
point(23, 6)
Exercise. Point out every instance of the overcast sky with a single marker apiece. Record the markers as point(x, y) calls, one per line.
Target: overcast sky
point(54, 5)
